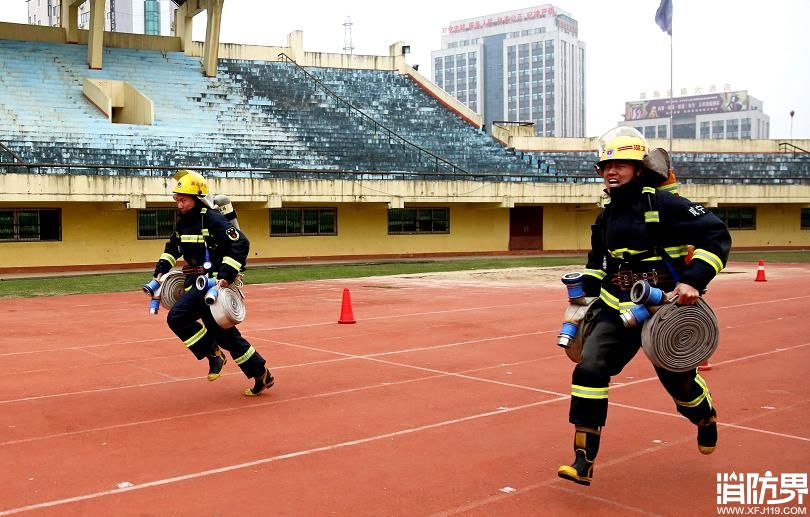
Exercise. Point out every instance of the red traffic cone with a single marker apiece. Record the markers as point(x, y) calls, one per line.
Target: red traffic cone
point(346, 315)
point(705, 366)
point(760, 272)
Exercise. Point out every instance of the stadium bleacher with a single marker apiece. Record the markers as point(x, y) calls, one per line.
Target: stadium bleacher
point(253, 114)
point(274, 115)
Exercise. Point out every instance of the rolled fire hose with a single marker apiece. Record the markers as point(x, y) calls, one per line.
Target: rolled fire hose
point(171, 287)
point(229, 308)
point(575, 313)
point(680, 337)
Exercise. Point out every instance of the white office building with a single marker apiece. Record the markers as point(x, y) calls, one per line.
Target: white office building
point(526, 65)
point(154, 17)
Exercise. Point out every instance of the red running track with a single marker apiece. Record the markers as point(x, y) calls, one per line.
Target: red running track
point(446, 398)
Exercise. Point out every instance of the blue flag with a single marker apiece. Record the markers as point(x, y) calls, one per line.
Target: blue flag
point(663, 16)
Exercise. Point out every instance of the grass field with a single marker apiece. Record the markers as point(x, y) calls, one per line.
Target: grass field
point(120, 282)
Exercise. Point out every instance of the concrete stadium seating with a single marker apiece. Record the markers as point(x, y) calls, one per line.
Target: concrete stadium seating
point(270, 115)
point(252, 115)
point(701, 167)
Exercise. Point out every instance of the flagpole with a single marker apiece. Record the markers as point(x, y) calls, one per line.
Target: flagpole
point(663, 18)
point(671, 91)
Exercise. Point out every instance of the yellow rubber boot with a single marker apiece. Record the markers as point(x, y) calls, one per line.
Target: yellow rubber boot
point(586, 445)
point(707, 433)
point(215, 364)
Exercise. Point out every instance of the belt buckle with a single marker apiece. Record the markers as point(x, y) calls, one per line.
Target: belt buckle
point(625, 279)
point(650, 276)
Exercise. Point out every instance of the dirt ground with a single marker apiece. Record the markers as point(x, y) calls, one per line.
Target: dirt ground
point(506, 277)
point(521, 276)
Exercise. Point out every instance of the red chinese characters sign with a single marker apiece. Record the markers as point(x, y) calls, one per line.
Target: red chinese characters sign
point(504, 19)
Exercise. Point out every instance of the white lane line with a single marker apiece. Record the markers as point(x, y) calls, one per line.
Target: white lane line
point(375, 358)
point(394, 316)
point(318, 324)
point(549, 483)
point(261, 404)
point(263, 461)
point(405, 350)
point(343, 357)
point(721, 423)
point(84, 347)
point(265, 329)
point(760, 302)
point(559, 398)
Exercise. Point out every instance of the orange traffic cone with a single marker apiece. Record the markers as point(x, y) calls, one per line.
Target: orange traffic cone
point(346, 315)
point(760, 272)
point(704, 366)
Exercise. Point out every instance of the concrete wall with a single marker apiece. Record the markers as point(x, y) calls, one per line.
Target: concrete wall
point(25, 32)
point(568, 227)
point(442, 96)
point(144, 190)
point(536, 143)
point(104, 234)
point(96, 234)
point(777, 225)
point(135, 107)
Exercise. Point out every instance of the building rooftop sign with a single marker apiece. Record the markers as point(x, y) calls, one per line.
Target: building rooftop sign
point(694, 105)
point(501, 19)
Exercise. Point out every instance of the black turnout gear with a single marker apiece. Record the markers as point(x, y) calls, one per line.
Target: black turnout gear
point(642, 233)
point(202, 229)
point(211, 246)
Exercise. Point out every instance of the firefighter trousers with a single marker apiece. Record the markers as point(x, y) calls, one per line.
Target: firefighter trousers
point(202, 338)
point(606, 350)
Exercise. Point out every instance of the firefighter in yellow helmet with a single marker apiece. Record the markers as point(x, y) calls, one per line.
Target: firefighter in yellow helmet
point(190, 183)
point(212, 246)
point(642, 233)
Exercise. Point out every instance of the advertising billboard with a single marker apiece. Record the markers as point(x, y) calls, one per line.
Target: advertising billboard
point(693, 105)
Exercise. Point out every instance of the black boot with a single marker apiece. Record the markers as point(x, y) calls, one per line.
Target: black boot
point(707, 433)
point(216, 362)
point(262, 382)
point(586, 445)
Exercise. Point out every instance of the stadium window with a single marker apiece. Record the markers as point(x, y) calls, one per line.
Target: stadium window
point(805, 224)
point(418, 220)
point(156, 223)
point(738, 218)
point(30, 224)
point(290, 222)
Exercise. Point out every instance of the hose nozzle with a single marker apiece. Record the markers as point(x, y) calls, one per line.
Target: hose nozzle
point(209, 286)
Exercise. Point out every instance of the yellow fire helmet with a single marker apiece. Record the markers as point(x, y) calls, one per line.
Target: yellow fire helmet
point(621, 143)
point(191, 183)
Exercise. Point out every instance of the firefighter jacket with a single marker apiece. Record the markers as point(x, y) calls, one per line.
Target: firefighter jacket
point(645, 233)
point(204, 235)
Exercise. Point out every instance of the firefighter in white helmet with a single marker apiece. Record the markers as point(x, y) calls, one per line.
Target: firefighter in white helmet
point(212, 246)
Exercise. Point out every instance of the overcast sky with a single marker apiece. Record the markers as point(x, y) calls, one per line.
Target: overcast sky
point(761, 47)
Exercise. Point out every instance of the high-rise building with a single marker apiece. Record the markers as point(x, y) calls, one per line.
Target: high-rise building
point(154, 17)
point(526, 65)
point(724, 115)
